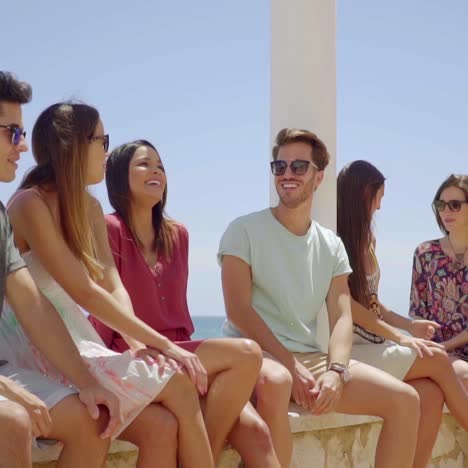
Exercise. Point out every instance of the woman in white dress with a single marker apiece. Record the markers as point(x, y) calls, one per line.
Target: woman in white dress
point(378, 338)
point(60, 231)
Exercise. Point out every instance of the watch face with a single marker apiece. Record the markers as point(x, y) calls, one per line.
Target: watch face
point(338, 368)
point(342, 370)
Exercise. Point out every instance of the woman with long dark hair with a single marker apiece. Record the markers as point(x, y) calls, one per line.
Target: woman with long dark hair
point(151, 254)
point(60, 230)
point(378, 339)
point(439, 289)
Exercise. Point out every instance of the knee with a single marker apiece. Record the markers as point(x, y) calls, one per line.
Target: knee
point(250, 354)
point(464, 380)
point(405, 403)
point(440, 360)
point(156, 425)
point(274, 386)
point(182, 393)
point(15, 425)
point(259, 436)
point(461, 369)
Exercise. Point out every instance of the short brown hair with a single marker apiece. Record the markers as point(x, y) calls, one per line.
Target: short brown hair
point(320, 154)
point(13, 90)
point(458, 181)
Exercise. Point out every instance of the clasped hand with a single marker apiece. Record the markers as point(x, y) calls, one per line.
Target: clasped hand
point(320, 396)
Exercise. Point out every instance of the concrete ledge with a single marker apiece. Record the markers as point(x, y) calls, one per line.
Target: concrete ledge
point(330, 441)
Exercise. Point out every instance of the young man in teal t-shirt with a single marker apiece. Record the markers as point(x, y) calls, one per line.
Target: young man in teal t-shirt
point(279, 267)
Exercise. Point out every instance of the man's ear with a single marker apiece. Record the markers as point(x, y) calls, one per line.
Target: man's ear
point(318, 179)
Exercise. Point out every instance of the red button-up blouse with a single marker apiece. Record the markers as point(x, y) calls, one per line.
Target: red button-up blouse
point(159, 294)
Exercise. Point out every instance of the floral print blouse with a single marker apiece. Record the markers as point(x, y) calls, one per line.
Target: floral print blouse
point(439, 292)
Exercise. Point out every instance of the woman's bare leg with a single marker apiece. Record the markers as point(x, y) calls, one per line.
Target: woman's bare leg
point(439, 368)
point(15, 436)
point(376, 393)
point(273, 394)
point(251, 438)
point(232, 365)
point(431, 400)
point(461, 369)
point(154, 432)
point(80, 434)
point(181, 398)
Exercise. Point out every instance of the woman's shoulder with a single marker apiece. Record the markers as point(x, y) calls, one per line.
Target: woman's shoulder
point(28, 200)
point(179, 228)
point(116, 227)
point(180, 234)
point(428, 247)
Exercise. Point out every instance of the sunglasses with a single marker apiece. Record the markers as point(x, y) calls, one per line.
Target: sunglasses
point(298, 166)
point(104, 138)
point(16, 133)
point(453, 205)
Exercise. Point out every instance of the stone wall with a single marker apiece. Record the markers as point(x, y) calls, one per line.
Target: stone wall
point(330, 441)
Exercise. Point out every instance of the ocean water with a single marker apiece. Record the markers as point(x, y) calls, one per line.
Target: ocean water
point(207, 326)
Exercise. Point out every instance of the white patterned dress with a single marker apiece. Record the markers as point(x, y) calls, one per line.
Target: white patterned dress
point(135, 383)
point(375, 350)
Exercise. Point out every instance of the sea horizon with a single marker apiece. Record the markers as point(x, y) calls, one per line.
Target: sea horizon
point(207, 326)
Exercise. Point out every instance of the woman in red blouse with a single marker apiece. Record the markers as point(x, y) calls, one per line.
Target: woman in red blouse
point(151, 254)
point(439, 289)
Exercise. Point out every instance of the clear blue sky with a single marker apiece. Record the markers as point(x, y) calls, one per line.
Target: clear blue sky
point(193, 77)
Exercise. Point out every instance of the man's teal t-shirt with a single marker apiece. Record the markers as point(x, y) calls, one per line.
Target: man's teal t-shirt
point(291, 274)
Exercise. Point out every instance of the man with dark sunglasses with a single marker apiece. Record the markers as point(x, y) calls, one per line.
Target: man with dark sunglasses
point(279, 268)
point(32, 405)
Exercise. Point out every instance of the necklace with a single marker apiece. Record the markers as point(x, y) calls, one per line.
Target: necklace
point(459, 259)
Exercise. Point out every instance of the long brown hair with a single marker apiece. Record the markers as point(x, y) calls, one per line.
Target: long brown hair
point(358, 184)
point(118, 189)
point(60, 139)
point(458, 181)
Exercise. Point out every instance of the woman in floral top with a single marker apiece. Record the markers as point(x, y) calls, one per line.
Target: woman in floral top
point(440, 274)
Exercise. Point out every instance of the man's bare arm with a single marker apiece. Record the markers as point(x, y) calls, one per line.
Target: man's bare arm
point(340, 319)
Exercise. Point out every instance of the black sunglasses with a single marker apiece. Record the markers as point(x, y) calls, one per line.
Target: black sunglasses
point(104, 138)
point(453, 205)
point(298, 166)
point(16, 133)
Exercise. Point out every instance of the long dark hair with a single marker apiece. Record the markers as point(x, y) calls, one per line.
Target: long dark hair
point(60, 140)
point(358, 184)
point(454, 180)
point(118, 190)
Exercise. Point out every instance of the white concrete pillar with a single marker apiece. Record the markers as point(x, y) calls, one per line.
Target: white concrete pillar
point(303, 84)
point(303, 94)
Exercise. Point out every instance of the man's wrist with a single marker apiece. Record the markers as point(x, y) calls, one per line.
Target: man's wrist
point(340, 369)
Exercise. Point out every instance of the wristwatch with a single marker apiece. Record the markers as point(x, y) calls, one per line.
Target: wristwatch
point(340, 369)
